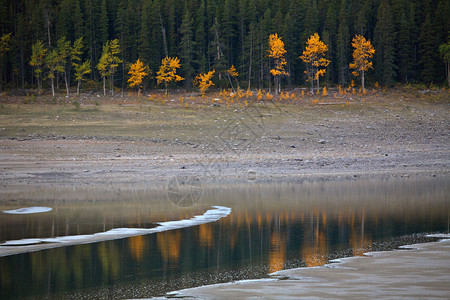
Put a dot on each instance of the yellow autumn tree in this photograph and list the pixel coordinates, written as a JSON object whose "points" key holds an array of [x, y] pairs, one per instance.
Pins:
{"points": [[204, 82], [234, 74], [314, 57], [277, 52], [137, 73], [361, 54], [168, 71]]}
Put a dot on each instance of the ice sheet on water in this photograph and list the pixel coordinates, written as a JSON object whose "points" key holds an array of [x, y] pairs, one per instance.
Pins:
{"points": [[28, 210], [209, 216]]}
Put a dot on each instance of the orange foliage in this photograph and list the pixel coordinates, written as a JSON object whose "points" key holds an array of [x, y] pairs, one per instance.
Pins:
{"points": [[277, 52], [137, 73], [204, 81]]}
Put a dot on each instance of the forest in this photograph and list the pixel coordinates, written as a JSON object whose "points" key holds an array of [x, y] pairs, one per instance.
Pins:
{"points": [[410, 38]]}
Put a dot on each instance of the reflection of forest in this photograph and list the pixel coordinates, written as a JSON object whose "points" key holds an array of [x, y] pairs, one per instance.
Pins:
{"points": [[267, 225]]}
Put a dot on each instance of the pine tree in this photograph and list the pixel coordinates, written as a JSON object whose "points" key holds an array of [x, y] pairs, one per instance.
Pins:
{"points": [[201, 37], [103, 23], [405, 54], [343, 38], [444, 51], [384, 43], [64, 22], [5, 44], [428, 51], [187, 47], [311, 20]]}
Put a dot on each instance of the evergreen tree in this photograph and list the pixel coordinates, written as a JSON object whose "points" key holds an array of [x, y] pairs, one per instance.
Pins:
{"points": [[384, 44], [187, 47], [201, 37], [343, 39], [428, 51], [103, 23], [311, 19], [405, 53]]}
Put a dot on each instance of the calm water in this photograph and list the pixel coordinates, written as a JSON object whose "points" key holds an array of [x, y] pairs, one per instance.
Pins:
{"points": [[272, 226]]}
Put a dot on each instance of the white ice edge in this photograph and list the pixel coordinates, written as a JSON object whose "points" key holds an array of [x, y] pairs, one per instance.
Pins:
{"points": [[209, 216], [28, 210], [244, 281]]}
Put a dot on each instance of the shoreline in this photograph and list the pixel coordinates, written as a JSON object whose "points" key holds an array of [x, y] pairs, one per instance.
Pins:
{"points": [[412, 271]]}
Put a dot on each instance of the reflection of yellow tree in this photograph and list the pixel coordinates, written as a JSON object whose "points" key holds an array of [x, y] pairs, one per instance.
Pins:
{"points": [[314, 250], [315, 253], [109, 258], [169, 245], [137, 246], [277, 253], [205, 235], [359, 241]]}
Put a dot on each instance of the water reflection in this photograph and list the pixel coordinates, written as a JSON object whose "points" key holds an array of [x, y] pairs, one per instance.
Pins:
{"points": [[272, 226]]}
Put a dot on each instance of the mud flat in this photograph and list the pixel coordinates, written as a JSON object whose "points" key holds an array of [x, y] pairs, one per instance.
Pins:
{"points": [[420, 271]]}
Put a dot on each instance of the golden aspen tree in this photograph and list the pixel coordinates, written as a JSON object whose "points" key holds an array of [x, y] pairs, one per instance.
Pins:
{"points": [[204, 82], [108, 63], [80, 71], [37, 61], [234, 74], [102, 67], [53, 64], [277, 52], [314, 57], [168, 71], [361, 54], [113, 61], [137, 73]]}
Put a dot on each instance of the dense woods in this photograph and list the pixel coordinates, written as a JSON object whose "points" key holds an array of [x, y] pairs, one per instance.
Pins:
{"points": [[211, 35]]}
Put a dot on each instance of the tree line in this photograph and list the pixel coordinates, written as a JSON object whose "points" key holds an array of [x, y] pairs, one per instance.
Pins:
{"points": [[411, 39]]}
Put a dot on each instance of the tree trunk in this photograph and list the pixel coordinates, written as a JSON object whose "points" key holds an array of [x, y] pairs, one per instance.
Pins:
{"points": [[53, 87], [163, 31], [67, 84], [362, 80], [448, 73], [318, 85], [250, 62], [104, 86], [78, 86]]}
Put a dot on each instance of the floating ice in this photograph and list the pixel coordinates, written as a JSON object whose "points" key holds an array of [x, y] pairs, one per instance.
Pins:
{"points": [[28, 210], [209, 216]]}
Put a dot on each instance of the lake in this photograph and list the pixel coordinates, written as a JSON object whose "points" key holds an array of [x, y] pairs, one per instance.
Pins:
{"points": [[271, 226]]}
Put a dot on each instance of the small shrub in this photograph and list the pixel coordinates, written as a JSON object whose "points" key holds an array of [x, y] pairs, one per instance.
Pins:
{"points": [[76, 104]]}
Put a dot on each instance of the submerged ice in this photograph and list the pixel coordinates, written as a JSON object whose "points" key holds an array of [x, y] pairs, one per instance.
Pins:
{"points": [[28, 210], [209, 216]]}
